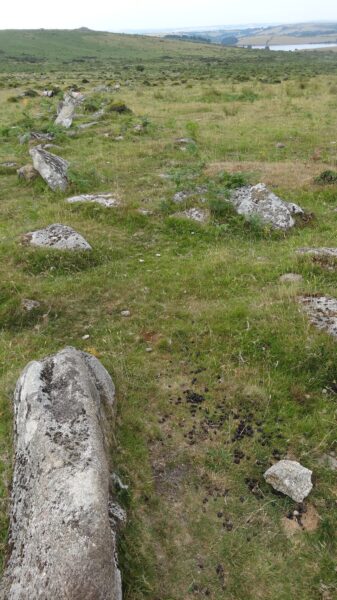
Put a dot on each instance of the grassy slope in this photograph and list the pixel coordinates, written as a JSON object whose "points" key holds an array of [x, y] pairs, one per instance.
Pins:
{"points": [[211, 307]]}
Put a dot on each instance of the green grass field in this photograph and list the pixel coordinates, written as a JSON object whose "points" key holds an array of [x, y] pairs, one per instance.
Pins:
{"points": [[217, 370]]}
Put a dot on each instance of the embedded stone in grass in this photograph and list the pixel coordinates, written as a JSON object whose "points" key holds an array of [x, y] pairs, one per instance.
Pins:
{"points": [[325, 252], [27, 173], [64, 407], [290, 478], [30, 305], [104, 199], [52, 168], [259, 201], [66, 109], [87, 125], [291, 278], [57, 236], [322, 311], [194, 214], [184, 141]]}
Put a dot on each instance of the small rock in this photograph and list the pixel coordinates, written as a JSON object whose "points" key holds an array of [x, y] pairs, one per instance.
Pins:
{"points": [[291, 278], [66, 109], [145, 211], [180, 197], [322, 311], [195, 214], [259, 201], [52, 168], [328, 252], [85, 337], [104, 199], [29, 305], [87, 125], [59, 237], [9, 165], [184, 141], [125, 313], [27, 173], [280, 145], [290, 478]]}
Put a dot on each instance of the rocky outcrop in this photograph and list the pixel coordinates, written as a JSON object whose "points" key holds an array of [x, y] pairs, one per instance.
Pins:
{"points": [[66, 109], [104, 199], [63, 522], [290, 478], [259, 201], [52, 168], [57, 236]]}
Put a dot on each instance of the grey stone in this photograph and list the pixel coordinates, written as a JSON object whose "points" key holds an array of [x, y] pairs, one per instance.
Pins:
{"points": [[280, 145], [325, 252], [48, 93], [182, 196], [30, 305], [322, 311], [9, 164], [291, 278], [194, 214], [56, 236], [87, 125], [36, 135], [66, 109], [259, 201], [63, 519], [27, 173], [184, 141], [290, 478], [104, 199], [52, 168]]}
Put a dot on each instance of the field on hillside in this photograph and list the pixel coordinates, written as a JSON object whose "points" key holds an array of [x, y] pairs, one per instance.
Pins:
{"points": [[218, 371]]}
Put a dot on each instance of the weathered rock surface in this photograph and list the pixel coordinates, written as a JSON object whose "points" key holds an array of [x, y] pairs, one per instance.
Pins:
{"points": [[291, 278], [27, 173], [63, 521], [290, 478], [325, 252], [66, 109], [329, 461], [258, 200], [36, 135], [60, 237], [322, 311], [87, 125], [104, 199], [194, 214], [30, 305], [52, 168]]}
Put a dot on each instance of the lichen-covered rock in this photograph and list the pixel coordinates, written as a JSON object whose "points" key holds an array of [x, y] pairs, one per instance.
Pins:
{"points": [[194, 214], [60, 237], [259, 201], [30, 305], [66, 109], [324, 252], [62, 540], [290, 478], [322, 311], [52, 168], [104, 199]]}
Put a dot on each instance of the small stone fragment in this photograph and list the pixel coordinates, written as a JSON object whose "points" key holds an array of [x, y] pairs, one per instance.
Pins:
{"points": [[57, 236], [104, 199], [291, 278], [290, 478], [194, 214], [29, 305]]}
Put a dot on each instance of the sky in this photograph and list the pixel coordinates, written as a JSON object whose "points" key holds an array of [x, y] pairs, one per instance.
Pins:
{"points": [[126, 15]]}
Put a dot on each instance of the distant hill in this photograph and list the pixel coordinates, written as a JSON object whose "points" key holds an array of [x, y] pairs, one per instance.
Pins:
{"points": [[305, 33]]}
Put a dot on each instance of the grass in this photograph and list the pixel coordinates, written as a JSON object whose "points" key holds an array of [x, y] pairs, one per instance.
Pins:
{"points": [[228, 341]]}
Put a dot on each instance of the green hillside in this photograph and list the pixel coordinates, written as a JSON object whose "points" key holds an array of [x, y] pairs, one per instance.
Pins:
{"points": [[218, 371]]}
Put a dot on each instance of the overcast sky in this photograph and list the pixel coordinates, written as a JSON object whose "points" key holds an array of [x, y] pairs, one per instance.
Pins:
{"points": [[117, 15]]}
